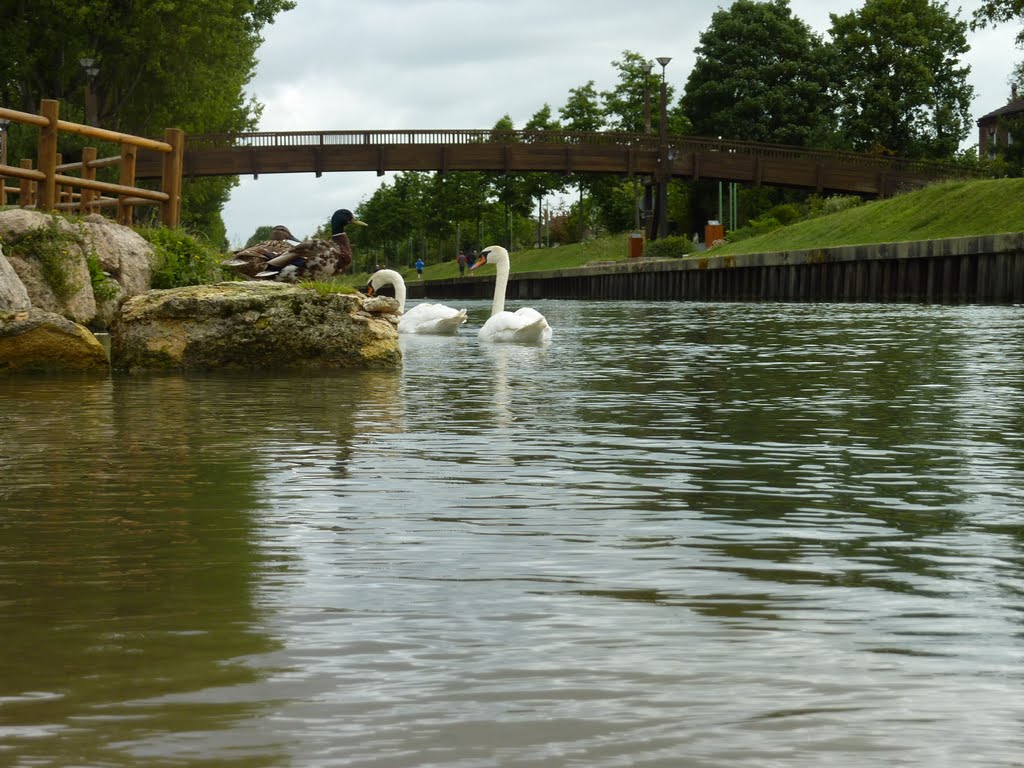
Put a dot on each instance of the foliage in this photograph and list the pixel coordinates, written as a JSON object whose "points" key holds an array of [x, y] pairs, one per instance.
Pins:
{"points": [[998, 12], [103, 287], [261, 235], [181, 258], [167, 63], [1011, 155], [56, 251], [761, 75], [903, 89], [669, 247]]}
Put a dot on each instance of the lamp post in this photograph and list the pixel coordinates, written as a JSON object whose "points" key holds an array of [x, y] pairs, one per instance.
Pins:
{"points": [[3, 159], [91, 70], [661, 206]]}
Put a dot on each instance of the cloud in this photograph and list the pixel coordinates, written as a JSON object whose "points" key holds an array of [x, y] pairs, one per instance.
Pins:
{"points": [[417, 64]]}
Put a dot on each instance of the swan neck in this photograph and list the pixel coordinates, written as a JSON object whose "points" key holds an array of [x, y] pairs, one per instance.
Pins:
{"points": [[400, 293], [500, 285]]}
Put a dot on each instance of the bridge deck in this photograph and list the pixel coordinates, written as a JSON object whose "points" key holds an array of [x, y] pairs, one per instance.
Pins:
{"points": [[553, 151]]}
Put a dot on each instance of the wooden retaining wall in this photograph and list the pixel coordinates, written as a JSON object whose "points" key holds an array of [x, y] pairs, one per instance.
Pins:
{"points": [[966, 270]]}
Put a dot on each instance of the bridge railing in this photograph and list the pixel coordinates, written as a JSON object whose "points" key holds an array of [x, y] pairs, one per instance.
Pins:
{"points": [[677, 145]]}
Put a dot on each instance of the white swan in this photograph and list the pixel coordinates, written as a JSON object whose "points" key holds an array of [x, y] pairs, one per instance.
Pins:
{"points": [[526, 325], [423, 318]]}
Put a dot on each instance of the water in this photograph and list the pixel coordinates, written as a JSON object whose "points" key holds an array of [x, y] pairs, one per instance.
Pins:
{"points": [[681, 535]]}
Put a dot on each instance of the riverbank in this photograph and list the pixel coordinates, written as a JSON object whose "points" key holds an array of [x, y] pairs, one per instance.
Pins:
{"points": [[961, 270], [948, 210]]}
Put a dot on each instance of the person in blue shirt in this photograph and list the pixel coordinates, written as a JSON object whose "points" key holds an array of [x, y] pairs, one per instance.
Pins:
{"points": [[419, 268]]}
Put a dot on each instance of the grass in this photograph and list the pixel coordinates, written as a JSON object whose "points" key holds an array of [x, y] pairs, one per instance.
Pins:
{"points": [[949, 209]]}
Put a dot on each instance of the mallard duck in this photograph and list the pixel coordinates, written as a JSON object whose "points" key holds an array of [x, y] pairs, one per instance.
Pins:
{"points": [[422, 318], [253, 260], [315, 259]]}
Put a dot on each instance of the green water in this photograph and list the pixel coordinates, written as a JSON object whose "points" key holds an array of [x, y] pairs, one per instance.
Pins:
{"points": [[682, 534]]}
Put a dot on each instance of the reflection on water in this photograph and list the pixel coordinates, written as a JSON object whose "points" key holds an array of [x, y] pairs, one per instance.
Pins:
{"points": [[681, 534]]}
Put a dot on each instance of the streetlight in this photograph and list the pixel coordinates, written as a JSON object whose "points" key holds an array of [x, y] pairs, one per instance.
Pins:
{"points": [[3, 158], [91, 70], [647, 66], [661, 206]]}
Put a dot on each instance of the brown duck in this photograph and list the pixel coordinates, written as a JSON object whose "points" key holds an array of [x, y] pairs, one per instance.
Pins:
{"points": [[315, 259], [252, 260]]}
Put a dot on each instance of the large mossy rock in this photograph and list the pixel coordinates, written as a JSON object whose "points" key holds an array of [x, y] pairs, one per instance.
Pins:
{"points": [[36, 341], [251, 325]]}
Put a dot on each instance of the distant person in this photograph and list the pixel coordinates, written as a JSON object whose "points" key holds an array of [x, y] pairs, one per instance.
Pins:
{"points": [[419, 268], [461, 260]]}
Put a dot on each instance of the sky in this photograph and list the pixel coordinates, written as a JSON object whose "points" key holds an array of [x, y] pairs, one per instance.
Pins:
{"points": [[460, 64]]}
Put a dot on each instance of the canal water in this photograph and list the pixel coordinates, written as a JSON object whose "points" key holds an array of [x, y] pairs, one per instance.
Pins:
{"points": [[681, 535]]}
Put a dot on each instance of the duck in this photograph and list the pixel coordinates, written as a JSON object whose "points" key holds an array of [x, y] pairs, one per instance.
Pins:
{"points": [[525, 325], [422, 318], [252, 260], [315, 259]]}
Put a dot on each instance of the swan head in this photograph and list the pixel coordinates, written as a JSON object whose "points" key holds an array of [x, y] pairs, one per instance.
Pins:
{"points": [[382, 278], [492, 254]]}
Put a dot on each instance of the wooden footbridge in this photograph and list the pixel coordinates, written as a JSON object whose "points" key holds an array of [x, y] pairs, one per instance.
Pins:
{"points": [[625, 154]]}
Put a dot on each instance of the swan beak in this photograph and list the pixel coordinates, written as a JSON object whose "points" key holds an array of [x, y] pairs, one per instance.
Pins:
{"points": [[369, 290], [479, 262]]}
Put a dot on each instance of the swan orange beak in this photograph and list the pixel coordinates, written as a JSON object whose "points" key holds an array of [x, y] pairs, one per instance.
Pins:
{"points": [[479, 262], [369, 290]]}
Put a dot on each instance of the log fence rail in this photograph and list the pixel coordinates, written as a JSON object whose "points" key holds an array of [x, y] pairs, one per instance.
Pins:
{"points": [[48, 187]]}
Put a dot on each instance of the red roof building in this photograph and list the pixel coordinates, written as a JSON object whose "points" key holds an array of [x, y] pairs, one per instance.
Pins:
{"points": [[992, 130]]}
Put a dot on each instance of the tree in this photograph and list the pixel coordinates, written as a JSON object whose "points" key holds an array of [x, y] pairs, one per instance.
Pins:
{"points": [[903, 89], [761, 75], [166, 63], [998, 12]]}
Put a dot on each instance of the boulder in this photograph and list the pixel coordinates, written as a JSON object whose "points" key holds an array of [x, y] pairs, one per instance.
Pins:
{"points": [[123, 253], [35, 341], [251, 325], [13, 296], [74, 299]]}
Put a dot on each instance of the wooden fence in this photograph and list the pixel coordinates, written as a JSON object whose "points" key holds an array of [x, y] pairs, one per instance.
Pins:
{"points": [[48, 187]]}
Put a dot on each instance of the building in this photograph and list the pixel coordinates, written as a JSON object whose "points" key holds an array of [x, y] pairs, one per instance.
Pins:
{"points": [[992, 130]]}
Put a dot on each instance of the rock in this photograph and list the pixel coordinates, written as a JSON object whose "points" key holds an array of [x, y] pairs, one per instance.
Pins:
{"points": [[74, 298], [35, 341], [123, 253], [249, 325], [13, 296]]}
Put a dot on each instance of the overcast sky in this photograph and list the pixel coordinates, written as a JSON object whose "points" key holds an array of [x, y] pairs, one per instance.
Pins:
{"points": [[421, 64]]}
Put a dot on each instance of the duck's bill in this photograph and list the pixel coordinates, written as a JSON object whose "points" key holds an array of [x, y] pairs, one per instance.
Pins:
{"points": [[359, 222]]}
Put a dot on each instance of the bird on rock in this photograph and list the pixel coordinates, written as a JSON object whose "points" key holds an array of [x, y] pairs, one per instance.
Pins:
{"points": [[253, 259], [315, 259]]}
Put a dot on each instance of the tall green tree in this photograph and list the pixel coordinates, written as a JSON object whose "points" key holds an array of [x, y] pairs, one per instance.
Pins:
{"points": [[165, 63], [761, 75], [625, 105], [903, 89], [998, 12]]}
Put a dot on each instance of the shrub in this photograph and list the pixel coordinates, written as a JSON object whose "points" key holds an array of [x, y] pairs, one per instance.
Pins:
{"points": [[51, 247], [674, 247], [181, 258]]}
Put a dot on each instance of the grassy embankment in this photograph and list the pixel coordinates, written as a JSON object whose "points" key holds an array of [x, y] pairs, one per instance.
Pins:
{"points": [[949, 209]]}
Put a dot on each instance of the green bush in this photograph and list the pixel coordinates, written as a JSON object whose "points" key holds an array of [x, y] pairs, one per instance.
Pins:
{"points": [[51, 247], [181, 258], [669, 248]]}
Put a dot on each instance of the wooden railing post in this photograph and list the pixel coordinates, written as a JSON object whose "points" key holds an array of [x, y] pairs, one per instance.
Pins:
{"points": [[124, 209], [50, 109], [170, 182], [88, 173], [27, 188]]}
